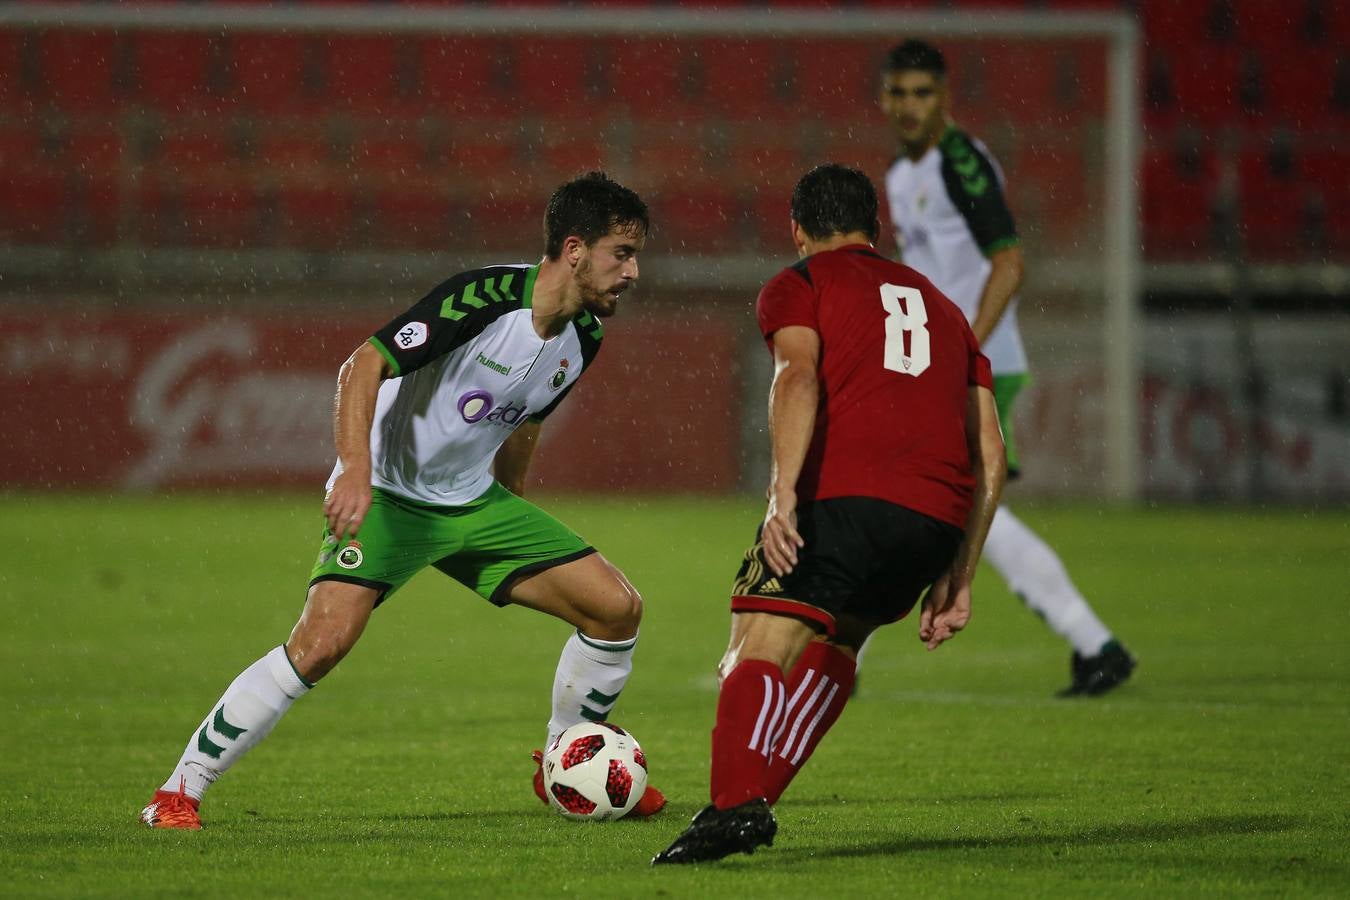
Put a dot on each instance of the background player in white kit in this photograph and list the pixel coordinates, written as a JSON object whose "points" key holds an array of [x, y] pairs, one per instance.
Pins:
{"points": [[952, 224], [436, 419]]}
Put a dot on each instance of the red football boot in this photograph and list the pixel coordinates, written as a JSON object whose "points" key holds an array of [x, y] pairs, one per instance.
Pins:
{"points": [[172, 809], [538, 757]]}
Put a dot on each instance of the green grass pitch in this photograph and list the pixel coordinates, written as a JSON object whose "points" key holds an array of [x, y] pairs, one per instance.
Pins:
{"points": [[1222, 769]]}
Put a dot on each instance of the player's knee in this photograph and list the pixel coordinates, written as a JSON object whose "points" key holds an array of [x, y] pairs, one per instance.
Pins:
{"points": [[314, 655], [620, 616]]}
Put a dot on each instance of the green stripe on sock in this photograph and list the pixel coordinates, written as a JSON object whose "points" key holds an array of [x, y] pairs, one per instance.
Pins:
{"points": [[608, 647], [207, 746], [225, 729], [602, 699]]}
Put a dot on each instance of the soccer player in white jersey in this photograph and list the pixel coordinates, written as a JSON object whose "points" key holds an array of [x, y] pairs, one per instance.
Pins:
{"points": [[952, 224], [436, 419]]}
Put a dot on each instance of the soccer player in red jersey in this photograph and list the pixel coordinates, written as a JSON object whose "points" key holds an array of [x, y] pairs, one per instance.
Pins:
{"points": [[888, 463]]}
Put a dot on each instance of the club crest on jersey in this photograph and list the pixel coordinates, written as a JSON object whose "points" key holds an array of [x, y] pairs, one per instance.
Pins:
{"points": [[351, 556], [559, 377], [414, 334]]}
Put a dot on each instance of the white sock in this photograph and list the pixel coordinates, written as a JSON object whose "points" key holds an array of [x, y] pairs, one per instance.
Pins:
{"points": [[591, 674], [245, 713], [1035, 574]]}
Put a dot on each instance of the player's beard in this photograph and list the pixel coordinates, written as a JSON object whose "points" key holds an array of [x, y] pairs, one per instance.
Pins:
{"points": [[598, 302]]}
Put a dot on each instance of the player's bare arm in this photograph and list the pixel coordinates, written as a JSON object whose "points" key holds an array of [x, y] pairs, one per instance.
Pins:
{"points": [[1005, 277], [512, 462], [946, 608], [358, 385], [793, 399]]}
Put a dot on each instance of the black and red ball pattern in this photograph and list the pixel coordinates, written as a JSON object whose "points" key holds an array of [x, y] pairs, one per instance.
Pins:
{"points": [[581, 750], [572, 800], [640, 758], [619, 784], [612, 727]]}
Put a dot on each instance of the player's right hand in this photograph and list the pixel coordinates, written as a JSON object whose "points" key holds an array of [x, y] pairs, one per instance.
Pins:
{"points": [[347, 503], [779, 535]]}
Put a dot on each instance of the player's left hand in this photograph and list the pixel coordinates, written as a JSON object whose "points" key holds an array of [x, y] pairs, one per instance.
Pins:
{"points": [[779, 535], [946, 610]]}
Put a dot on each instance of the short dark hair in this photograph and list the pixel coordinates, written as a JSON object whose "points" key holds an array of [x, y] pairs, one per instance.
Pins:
{"points": [[915, 54], [591, 207], [834, 199]]}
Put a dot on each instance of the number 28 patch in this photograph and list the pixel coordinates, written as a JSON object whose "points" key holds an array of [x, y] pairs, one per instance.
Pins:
{"points": [[414, 334]]}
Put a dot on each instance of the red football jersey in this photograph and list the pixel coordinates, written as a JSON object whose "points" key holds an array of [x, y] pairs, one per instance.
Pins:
{"points": [[897, 359]]}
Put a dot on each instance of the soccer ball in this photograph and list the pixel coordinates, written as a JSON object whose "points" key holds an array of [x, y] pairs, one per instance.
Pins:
{"points": [[595, 771]]}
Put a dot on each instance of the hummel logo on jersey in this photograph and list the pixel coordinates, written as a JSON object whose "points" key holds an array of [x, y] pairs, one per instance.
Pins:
{"points": [[771, 587], [414, 334], [494, 365]]}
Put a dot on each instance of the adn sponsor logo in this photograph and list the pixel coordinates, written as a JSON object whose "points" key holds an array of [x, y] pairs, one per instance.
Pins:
{"points": [[477, 406]]}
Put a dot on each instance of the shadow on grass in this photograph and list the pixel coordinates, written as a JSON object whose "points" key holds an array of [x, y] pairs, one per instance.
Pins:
{"points": [[791, 803], [1123, 833]]}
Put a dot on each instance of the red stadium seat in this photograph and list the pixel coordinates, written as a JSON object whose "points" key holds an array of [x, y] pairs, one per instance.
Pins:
{"points": [[1325, 178], [752, 79], [218, 215], [416, 218], [316, 218], [863, 146], [681, 156], [1177, 208], [771, 167], [708, 222], [33, 205], [463, 75], [563, 158], [1270, 27], [268, 70], [645, 77], [507, 223], [838, 80], [95, 211], [171, 71], [21, 147], [1173, 25], [363, 72], [95, 151], [1301, 95], [14, 94], [398, 154], [768, 215], [551, 74], [291, 152], [1272, 209], [474, 153], [78, 70], [187, 153], [1206, 82]]}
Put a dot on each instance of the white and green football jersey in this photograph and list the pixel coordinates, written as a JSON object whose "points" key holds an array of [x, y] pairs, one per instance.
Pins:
{"points": [[469, 368], [949, 216]]}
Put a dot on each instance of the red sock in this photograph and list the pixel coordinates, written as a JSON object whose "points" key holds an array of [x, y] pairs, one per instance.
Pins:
{"points": [[749, 718], [817, 689]]}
